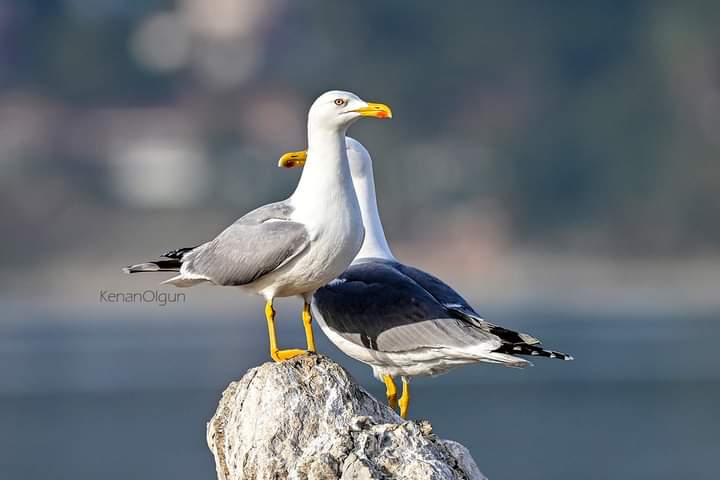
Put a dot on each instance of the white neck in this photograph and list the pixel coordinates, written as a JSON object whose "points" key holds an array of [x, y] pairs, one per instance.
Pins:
{"points": [[374, 244], [326, 174]]}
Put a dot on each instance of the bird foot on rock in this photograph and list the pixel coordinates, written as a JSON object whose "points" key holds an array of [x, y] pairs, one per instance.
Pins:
{"points": [[282, 355]]}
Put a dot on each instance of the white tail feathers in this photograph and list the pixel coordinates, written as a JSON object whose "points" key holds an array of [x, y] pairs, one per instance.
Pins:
{"points": [[158, 266], [184, 281]]}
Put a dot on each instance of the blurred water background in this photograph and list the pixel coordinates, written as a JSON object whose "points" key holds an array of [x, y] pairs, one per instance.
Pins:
{"points": [[555, 161]]}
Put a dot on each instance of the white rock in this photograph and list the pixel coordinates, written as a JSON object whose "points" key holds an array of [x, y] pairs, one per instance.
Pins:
{"points": [[306, 418]]}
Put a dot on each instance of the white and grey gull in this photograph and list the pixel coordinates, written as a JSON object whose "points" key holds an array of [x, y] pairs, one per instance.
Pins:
{"points": [[399, 319], [295, 246]]}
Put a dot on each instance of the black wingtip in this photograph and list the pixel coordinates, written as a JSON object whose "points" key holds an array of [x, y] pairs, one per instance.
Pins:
{"points": [[532, 351], [177, 254]]}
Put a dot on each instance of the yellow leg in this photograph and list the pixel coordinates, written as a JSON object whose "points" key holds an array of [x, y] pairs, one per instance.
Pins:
{"points": [[405, 398], [277, 355], [390, 391], [307, 322]]}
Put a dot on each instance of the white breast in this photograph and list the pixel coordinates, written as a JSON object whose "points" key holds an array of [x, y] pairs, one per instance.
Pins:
{"points": [[336, 235], [325, 203]]}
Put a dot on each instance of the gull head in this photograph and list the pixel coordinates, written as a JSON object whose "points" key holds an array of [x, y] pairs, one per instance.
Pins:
{"points": [[337, 110], [358, 158]]}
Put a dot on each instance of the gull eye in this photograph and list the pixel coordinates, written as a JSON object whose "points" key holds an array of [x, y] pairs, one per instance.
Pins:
{"points": [[339, 102]]}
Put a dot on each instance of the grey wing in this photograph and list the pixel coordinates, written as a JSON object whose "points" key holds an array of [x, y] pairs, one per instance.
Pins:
{"points": [[374, 305], [443, 292], [272, 211], [253, 246], [452, 300]]}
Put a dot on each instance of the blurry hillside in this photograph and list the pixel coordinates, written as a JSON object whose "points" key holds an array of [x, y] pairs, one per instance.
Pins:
{"points": [[524, 136]]}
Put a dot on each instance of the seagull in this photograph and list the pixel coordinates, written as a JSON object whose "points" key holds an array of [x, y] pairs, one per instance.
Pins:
{"points": [[295, 246], [399, 319]]}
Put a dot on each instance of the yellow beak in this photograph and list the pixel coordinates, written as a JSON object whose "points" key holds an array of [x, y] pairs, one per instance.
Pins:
{"points": [[293, 159], [377, 110]]}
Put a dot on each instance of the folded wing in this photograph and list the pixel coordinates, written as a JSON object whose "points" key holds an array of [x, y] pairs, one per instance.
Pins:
{"points": [[257, 244], [375, 305]]}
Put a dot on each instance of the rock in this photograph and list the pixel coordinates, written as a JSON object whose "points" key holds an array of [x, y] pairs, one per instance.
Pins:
{"points": [[306, 418]]}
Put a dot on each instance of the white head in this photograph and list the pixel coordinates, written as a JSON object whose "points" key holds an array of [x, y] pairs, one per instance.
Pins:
{"points": [[375, 243], [337, 110]]}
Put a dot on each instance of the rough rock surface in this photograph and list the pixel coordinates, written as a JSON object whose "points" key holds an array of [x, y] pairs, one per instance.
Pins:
{"points": [[306, 418]]}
